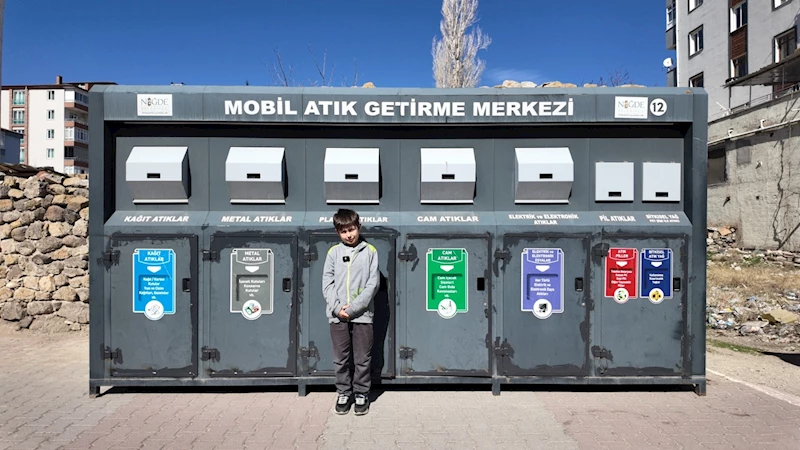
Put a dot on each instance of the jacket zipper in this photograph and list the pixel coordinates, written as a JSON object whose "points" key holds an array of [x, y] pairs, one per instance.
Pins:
{"points": [[348, 278]]}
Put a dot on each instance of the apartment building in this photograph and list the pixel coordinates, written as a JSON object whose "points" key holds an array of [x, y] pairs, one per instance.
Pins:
{"points": [[54, 120], [718, 42]]}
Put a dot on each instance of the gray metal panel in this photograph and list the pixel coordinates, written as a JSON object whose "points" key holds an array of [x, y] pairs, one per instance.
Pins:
{"points": [[352, 175], [294, 177], [265, 346], [530, 348], [613, 181], [447, 175], [314, 174], [641, 338], [153, 348], [457, 346], [256, 174], [543, 175], [661, 182], [158, 174], [198, 172]]}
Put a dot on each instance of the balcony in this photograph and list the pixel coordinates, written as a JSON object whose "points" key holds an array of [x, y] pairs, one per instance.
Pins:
{"points": [[76, 137], [671, 40], [76, 100]]}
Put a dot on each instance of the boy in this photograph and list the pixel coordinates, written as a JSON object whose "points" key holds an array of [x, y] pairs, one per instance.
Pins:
{"points": [[349, 284]]}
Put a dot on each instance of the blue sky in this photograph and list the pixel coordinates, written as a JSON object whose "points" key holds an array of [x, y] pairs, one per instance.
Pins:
{"points": [[202, 42]]}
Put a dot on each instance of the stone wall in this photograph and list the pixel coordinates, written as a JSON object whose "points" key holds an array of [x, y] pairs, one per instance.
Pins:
{"points": [[44, 279]]}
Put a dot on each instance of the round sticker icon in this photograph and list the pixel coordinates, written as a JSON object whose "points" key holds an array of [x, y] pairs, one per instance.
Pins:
{"points": [[621, 295], [542, 308], [447, 309], [658, 107], [656, 295], [251, 310], [154, 310]]}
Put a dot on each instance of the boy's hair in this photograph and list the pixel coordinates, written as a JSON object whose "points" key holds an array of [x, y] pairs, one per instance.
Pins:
{"points": [[344, 218]]}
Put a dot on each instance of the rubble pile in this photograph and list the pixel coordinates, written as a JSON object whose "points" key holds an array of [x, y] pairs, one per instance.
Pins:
{"points": [[722, 247], [44, 253]]}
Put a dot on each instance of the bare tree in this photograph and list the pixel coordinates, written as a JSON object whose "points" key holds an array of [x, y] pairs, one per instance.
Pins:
{"points": [[283, 73], [455, 55], [617, 77]]}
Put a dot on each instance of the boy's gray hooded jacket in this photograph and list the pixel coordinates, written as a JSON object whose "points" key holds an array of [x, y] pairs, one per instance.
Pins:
{"points": [[351, 277]]}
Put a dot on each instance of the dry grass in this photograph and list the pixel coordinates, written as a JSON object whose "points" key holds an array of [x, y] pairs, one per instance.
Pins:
{"points": [[754, 280]]}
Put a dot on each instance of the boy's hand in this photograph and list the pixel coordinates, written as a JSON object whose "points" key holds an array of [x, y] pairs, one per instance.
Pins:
{"points": [[343, 314]]}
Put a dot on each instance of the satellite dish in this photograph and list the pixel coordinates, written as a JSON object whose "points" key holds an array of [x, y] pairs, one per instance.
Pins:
{"points": [[667, 63]]}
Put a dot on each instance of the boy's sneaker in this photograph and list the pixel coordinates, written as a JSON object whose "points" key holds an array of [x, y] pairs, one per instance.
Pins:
{"points": [[343, 403], [362, 404]]}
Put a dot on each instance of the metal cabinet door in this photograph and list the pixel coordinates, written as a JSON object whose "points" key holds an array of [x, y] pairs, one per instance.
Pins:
{"points": [[317, 352], [545, 312], [153, 306], [252, 314], [639, 336], [447, 306]]}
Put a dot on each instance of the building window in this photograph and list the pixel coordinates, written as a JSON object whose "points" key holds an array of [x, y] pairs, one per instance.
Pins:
{"points": [[51, 134], [785, 44], [19, 98], [694, 4], [738, 16], [696, 40], [671, 15], [739, 67], [51, 153], [22, 156], [51, 114], [779, 3], [18, 117], [696, 81], [717, 173], [18, 130], [51, 95], [69, 152]]}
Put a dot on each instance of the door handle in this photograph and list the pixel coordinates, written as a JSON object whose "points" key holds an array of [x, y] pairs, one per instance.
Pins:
{"points": [[186, 284], [287, 285], [579, 284]]}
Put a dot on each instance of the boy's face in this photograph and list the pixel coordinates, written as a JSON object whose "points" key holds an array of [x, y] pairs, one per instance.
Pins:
{"points": [[349, 234]]}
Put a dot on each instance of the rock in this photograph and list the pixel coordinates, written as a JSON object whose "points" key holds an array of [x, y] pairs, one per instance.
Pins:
{"points": [[780, 316], [72, 272], [11, 216], [76, 262], [14, 272], [54, 213], [80, 228], [83, 250], [4, 191], [632, 86], [31, 282], [35, 231], [368, 84], [510, 84], [6, 293], [19, 234], [755, 327], [528, 84], [56, 189], [5, 231], [25, 322], [24, 293], [76, 182], [66, 294], [77, 203], [25, 248], [34, 188], [79, 192], [40, 259], [50, 324], [589, 85], [6, 205], [61, 254], [28, 217], [39, 308], [16, 194], [74, 241], [71, 216], [50, 178], [12, 311], [79, 282], [8, 246], [83, 294], [60, 280], [48, 244], [47, 284], [85, 213], [59, 229], [74, 312]]}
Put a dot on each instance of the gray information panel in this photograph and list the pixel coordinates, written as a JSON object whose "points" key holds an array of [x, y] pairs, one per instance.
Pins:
{"points": [[252, 284]]}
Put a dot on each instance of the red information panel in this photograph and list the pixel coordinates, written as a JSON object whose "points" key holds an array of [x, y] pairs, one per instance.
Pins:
{"points": [[621, 273]]}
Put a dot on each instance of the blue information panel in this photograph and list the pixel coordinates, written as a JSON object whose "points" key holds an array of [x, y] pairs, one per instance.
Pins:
{"points": [[656, 274], [154, 282], [543, 281]]}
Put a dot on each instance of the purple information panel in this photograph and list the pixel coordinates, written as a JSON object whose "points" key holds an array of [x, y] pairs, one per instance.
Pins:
{"points": [[543, 281]]}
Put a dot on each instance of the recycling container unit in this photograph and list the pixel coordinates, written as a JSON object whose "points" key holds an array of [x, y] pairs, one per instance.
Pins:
{"points": [[524, 236]]}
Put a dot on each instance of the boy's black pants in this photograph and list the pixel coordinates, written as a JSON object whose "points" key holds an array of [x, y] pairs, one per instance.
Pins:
{"points": [[356, 339]]}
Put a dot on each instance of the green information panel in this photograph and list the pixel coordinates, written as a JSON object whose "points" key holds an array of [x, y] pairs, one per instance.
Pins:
{"points": [[447, 281]]}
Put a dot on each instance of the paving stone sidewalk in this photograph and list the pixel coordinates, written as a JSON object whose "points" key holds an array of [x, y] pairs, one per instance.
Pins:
{"points": [[44, 404]]}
